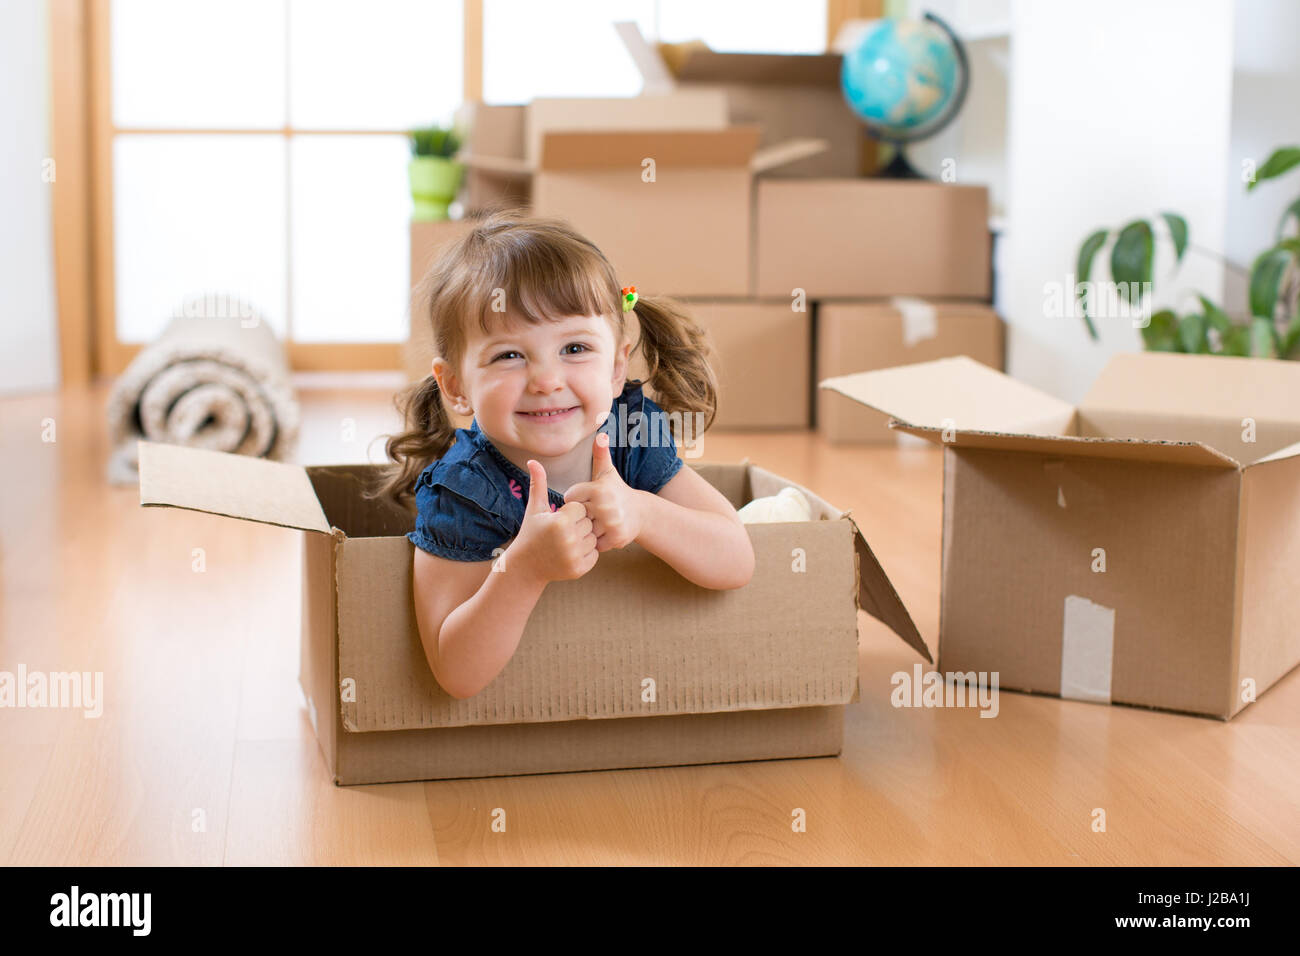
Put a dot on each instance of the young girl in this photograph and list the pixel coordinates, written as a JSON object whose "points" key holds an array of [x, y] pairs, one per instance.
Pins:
{"points": [[530, 337]]}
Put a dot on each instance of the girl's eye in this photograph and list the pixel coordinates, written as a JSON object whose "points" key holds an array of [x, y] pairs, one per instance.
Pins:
{"points": [[570, 345]]}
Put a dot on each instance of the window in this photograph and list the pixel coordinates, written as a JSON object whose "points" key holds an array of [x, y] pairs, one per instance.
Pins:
{"points": [[254, 151], [259, 156]]}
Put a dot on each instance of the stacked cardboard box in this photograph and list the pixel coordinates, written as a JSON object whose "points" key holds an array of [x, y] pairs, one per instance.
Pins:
{"points": [[733, 183]]}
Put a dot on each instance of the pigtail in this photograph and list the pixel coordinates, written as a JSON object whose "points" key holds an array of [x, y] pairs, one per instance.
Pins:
{"points": [[428, 433], [676, 352]]}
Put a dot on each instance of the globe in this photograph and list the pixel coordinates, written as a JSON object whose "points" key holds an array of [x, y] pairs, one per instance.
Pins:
{"points": [[906, 80]]}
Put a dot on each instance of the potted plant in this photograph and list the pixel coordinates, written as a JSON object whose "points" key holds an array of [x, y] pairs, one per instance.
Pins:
{"points": [[433, 171], [1272, 327]]}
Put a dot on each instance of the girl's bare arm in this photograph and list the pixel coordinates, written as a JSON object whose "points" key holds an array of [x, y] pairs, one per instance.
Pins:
{"points": [[471, 617], [694, 528]]}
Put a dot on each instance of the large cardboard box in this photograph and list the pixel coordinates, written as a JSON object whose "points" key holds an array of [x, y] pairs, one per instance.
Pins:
{"points": [[860, 336], [872, 238], [628, 666], [789, 96], [503, 144], [672, 210], [761, 353], [427, 240], [493, 131], [1141, 548]]}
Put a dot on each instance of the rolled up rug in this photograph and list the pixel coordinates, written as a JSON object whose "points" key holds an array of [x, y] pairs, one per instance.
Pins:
{"points": [[217, 383]]}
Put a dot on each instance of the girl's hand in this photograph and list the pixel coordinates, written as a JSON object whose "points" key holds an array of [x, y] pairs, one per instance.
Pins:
{"points": [[614, 508], [552, 545]]}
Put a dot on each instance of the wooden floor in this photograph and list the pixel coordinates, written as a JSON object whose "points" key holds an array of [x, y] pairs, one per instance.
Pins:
{"points": [[204, 754]]}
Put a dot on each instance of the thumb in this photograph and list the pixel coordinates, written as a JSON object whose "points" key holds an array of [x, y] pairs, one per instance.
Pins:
{"points": [[601, 461], [538, 499]]}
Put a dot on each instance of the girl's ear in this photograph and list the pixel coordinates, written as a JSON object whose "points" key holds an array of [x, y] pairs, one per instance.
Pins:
{"points": [[448, 383], [620, 366]]}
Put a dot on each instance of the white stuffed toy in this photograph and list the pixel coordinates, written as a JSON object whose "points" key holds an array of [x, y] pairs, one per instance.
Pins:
{"points": [[788, 505]]}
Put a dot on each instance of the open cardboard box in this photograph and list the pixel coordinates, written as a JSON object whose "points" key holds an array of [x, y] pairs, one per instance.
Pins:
{"points": [[629, 666], [1142, 548], [503, 144], [662, 183], [680, 226], [789, 95]]}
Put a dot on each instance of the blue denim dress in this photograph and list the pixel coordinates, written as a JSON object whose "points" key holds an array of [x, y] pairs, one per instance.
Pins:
{"points": [[472, 499]]}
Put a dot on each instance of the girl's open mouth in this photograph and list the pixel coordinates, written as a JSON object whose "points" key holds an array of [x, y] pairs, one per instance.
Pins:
{"points": [[552, 417]]}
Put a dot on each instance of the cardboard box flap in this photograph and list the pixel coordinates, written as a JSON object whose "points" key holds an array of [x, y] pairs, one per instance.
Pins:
{"points": [[877, 596], [784, 153], [237, 486], [1290, 451], [702, 65], [956, 393], [1126, 449], [693, 62], [1210, 387], [733, 146], [502, 165], [675, 110]]}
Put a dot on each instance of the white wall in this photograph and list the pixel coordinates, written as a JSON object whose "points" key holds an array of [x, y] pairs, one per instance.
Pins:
{"points": [[1118, 109], [28, 327], [1265, 115], [977, 137]]}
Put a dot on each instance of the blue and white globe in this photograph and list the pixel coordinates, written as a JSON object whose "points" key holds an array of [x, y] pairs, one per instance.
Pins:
{"points": [[904, 78]]}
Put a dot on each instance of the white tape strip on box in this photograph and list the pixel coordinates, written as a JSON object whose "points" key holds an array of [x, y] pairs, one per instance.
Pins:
{"points": [[919, 321], [1087, 650]]}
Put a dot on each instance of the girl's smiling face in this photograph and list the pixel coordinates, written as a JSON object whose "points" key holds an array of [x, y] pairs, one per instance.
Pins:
{"points": [[570, 365]]}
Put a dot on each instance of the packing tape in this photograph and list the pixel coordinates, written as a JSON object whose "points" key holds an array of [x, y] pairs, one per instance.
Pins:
{"points": [[919, 321], [1087, 650]]}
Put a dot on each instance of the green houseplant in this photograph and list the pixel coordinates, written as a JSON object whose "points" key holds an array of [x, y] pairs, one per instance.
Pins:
{"points": [[433, 171], [1272, 327]]}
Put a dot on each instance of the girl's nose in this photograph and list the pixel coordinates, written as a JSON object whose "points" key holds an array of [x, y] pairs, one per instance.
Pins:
{"points": [[543, 378]]}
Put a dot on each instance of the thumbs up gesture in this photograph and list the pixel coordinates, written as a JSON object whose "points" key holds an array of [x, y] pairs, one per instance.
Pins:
{"points": [[613, 507], [552, 545]]}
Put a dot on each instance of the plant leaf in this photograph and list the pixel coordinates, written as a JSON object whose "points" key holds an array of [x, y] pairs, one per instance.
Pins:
{"points": [[1266, 280], [1178, 229], [1161, 334], [1191, 334], [1287, 214], [1130, 260], [1215, 317], [1263, 344], [1283, 159], [1087, 252], [1290, 345], [1237, 341]]}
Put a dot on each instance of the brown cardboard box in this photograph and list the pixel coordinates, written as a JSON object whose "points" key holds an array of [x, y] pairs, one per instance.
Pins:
{"points": [[499, 132], [629, 666], [672, 210], [427, 240], [868, 238], [789, 96], [762, 357], [860, 336], [503, 144], [1141, 548]]}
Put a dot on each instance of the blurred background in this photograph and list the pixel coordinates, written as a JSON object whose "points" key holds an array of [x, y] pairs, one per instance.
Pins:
{"points": [[259, 149]]}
